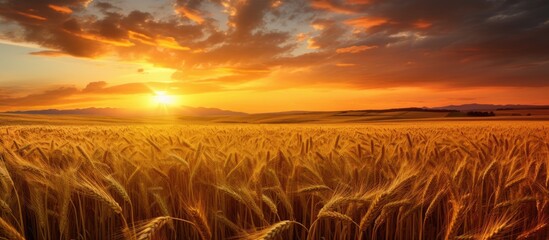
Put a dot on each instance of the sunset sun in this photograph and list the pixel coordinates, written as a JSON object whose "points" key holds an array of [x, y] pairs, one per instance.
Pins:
{"points": [[162, 98]]}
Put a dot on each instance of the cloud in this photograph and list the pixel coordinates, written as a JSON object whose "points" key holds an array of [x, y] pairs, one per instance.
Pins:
{"points": [[102, 88], [59, 96], [48, 53], [221, 45], [45, 98], [332, 6], [330, 34], [191, 14], [223, 77], [345, 64], [105, 6], [366, 22], [422, 24], [61, 9], [30, 15], [248, 16], [53, 25], [355, 49], [171, 43]]}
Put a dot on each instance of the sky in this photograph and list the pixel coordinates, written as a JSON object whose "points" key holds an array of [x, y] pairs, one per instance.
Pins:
{"points": [[272, 55]]}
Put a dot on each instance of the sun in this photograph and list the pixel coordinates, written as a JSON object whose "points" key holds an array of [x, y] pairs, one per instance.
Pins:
{"points": [[162, 98]]}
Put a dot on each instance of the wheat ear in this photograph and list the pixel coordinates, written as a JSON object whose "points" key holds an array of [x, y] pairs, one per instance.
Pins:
{"points": [[9, 231]]}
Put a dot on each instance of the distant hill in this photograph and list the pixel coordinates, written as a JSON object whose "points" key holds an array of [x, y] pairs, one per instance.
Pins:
{"points": [[451, 110], [185, 110], [214, 115], [202, 111], [411, 109], [490, 107], [362, 111], [80, 111]]}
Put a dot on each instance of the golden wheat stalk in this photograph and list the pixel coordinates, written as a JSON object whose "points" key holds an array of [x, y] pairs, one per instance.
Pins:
{"points": [[228, 223], [312, 189], [433, 204], [64, 202], [95, 191], [9, 231], [335, 215], [272, 232], [269, 202], [457, 212], [370, 215], [4, 206], [200, 222], [530, 232], [119, 189], [496, 226], [147, 229], [515, 202], [85, 155]]}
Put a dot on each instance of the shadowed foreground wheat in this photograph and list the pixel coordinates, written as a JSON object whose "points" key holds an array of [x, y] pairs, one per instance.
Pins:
{"points": [[481, 180]]}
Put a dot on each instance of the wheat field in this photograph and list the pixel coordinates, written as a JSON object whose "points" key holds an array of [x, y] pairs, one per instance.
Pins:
{"points": [[464, 180]]}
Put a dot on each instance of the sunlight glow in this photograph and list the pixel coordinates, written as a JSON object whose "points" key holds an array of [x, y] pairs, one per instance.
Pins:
{"points": [[162, 98]]}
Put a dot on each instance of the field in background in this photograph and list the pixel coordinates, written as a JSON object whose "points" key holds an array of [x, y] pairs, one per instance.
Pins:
{"points": [[329, 117], [412, 180]]}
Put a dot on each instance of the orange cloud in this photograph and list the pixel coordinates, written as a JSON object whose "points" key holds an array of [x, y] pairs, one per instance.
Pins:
{"points": [[345, 64], [245, 70], [276, 4], [300, 37], [366, 22], [45, 98], [422, 24], [93, 37], [193, 15], [102, 87], [261, 51], [329, 6], [171, 43], [355, 49], [142, 38], [165, 42], [359, 2], [49, 53], [61, 9], [312, 44], [30, 15], [318, 26]]}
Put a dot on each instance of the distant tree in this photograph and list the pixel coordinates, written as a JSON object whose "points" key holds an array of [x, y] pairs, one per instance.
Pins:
{"points": [[480, 114]]}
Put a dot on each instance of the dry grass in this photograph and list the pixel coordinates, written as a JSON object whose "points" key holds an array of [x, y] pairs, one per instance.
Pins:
{"points": [[426, 181]]}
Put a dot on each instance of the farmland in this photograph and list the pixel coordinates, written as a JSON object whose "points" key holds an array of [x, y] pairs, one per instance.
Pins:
{"points": [[419, 180]]}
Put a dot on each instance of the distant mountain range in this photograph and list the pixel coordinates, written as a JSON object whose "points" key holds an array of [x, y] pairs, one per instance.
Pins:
{"points": [[202, 111], [185, 110], [490, 107]]}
